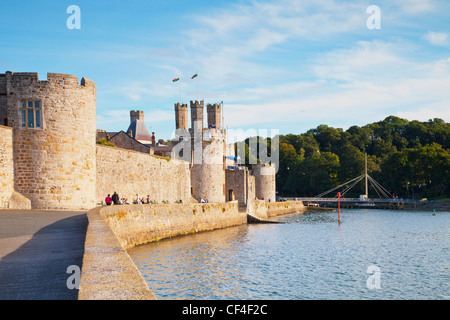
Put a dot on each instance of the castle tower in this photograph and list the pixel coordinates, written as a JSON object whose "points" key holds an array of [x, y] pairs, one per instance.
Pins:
{"points": [[136, 115], [214, 115], [54, 137], [181, 116], [208, 176], [197, 115], [265, 181], [137, 128]]}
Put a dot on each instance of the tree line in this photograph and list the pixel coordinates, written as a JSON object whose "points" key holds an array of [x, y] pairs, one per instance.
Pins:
{"points": [[411, 159]]}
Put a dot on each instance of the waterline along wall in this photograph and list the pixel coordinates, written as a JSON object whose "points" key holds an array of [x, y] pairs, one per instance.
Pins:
{"points": [[264, 210], [140, 224], [108, 273]]}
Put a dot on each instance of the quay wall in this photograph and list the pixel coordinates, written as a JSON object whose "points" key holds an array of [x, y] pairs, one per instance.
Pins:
{"points": [[279, 208], [139, 224], [108, 272], [264, 210], [6, 166], [129, 173]]}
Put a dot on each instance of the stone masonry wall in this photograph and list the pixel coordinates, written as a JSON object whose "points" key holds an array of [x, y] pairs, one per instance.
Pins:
{"points": [[6, 166], [140, 224], [264, 210], [129, 173]]}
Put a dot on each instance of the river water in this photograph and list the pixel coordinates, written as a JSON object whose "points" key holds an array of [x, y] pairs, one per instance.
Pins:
{"points": [[373, 254]]}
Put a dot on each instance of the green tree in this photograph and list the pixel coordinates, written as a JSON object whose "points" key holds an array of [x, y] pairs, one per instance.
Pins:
{"points": [[289, 161], [317, 174], [326, 136]]}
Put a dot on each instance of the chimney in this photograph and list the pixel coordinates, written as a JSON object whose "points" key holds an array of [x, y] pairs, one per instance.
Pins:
{"points": [[153, 140]]}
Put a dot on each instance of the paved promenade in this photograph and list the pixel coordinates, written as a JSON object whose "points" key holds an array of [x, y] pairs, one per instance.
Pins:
{"points": [[36, 247]]}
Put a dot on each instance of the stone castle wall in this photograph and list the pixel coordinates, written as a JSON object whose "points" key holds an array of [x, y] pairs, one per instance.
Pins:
{"points": [[241, 184], [54, 164], [6, 166], [129, 173]]}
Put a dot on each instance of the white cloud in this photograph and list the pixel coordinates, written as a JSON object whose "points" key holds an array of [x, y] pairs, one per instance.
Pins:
{"points": [[416, 6], [437, 38], [368, 81]]}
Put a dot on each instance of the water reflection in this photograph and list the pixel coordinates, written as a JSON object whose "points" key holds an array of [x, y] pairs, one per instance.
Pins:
{"points": [[309, 256]]}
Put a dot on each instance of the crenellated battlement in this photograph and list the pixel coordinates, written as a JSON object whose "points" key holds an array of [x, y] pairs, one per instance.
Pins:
{"points": [[197, 104], [136, 115], [54, 80]]}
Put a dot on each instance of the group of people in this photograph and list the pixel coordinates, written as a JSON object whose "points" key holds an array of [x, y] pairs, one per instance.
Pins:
{"points": [[142, 200], [115, 199]]}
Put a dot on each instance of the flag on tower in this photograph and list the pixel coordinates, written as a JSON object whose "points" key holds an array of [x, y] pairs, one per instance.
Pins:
{"points": [[175, 80], [194, 76]]}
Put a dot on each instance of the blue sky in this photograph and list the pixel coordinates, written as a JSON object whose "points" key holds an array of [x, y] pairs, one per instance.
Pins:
{"points": [[281, 65]]}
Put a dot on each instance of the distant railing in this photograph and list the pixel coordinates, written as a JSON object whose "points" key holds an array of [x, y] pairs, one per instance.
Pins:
{"points": [[349, 200]]}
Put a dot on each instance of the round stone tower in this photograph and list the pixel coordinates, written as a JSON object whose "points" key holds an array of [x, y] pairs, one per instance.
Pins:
{"points": [[265, 181], [208, 177], [54, 139], [208, 150]]}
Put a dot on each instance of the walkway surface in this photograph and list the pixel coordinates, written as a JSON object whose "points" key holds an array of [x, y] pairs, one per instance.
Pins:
{"points": [[36, 248]]}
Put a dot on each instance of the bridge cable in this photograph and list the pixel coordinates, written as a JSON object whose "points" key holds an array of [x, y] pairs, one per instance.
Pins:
{"points": [[380, 187], [348, 188], [326, 192]]}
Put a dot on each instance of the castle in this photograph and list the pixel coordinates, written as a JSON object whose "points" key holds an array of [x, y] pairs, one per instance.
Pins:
{"points": [[49, 158]]}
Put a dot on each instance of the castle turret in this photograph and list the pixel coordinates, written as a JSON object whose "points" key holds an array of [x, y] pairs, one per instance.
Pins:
{"points": [[136, 115], [214, 115], [137, 129], [197, 115], [265, 181], [181, 116], [208, 177], [54, 139]]}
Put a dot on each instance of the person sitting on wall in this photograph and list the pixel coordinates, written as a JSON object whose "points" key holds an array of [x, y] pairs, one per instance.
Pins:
{"points": [[115, 198], [108, 200], [203, 200]]}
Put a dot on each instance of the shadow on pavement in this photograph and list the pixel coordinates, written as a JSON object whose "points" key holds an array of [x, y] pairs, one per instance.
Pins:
{"points": [[37, 270]]}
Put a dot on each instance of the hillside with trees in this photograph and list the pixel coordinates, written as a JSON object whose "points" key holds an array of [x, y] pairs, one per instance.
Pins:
{"points": [[411, 159]]}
